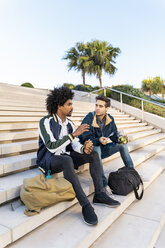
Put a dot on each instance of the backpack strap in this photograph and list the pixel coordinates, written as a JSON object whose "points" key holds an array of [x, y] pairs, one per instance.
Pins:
{"points": [[139, 197]]}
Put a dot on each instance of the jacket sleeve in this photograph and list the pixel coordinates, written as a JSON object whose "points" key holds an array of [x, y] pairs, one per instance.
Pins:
{"points": [[76, 145], [50, 142], [89, 134], [114, 134]]}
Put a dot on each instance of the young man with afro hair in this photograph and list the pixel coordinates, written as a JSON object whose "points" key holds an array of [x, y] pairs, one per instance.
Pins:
{"points": [[60, 150]]}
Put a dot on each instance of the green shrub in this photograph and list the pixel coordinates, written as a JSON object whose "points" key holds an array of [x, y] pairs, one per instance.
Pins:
{"points": [[148, 107], [70, 86], [29, 85], [95, 88], [83, 87], [154, 109], [126, 99]]}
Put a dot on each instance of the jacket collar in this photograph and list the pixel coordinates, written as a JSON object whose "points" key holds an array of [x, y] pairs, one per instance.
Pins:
{"points": [[107, 121], [58, 120], [55, 117]]}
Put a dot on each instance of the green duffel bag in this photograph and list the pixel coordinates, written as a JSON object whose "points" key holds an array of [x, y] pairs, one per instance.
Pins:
{"points": [[39, 192]]}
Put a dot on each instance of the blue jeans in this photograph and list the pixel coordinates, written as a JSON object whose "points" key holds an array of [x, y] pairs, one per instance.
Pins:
{"points": [[109, 150]]}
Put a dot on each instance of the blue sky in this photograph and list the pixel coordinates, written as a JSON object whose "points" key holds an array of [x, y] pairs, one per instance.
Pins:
{"points": [[35, 34]]}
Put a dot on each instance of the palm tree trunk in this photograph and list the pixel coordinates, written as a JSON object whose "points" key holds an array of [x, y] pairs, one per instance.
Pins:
{"points": [[100, 80], [83, 76]]}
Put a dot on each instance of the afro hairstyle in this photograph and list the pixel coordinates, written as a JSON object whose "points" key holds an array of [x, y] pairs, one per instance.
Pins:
{"points": [[57, 97]]}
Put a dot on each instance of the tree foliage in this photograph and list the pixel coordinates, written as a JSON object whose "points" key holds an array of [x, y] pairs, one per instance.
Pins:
{"points": [[77, 57], [102, 58], [153, 85], [93, 58]]}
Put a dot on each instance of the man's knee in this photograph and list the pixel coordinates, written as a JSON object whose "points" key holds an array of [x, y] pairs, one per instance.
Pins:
{"points": [[94, 155], [123, 146], [67, 161], [98, 150]]}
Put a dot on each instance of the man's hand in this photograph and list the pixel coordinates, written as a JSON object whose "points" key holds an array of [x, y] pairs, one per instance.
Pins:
{"points": [[81, 129], [88, 146], [104, 140]]}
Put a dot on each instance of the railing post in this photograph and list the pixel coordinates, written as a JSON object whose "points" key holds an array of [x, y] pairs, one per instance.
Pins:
{"points": [[142, 106], [121, 101], [105, 92]]}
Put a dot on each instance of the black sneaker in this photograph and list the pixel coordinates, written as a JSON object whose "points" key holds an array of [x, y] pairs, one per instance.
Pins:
{"points": [[104, 199], [89, 215]]}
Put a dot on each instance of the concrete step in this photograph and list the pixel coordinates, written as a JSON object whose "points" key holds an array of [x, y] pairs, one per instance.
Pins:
{"points": [[22, 113], [138, 129], [161, 239], [141, 142], [117, 121], [116, 117], [11, 184], [6, 149], [31, 125], [18, 126], [10, 88], [18, 95], [143, 134], [121, 126], [11, 136], [115, 114], [138, 157], [37, 117], [140, 224], [28, 102], [24, 145], [51, 236], [20, 162], [21, 108], [19, 119], [16, 163]]}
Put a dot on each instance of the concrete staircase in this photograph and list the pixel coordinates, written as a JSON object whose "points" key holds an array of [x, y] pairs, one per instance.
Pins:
{"points": [[20, 111]]}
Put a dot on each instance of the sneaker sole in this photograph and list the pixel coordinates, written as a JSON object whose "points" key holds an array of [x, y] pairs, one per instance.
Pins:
{"points": [[89, 223], [103, 204]]}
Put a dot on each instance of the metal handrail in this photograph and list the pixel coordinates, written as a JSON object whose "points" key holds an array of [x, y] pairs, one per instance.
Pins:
{"points": [[121, 98], [91, 92]]}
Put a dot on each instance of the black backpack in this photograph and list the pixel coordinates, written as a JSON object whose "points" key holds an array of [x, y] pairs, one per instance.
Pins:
{"points": [[125, 180]]}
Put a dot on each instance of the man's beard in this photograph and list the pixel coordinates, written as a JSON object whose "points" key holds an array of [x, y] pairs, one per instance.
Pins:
{"points": [[70, 113]]}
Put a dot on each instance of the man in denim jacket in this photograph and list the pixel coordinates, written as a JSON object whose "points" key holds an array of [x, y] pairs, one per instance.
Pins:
{"points": [[104, 134]]}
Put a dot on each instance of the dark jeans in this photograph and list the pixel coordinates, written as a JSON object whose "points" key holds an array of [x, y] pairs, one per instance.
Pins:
{"points": [[67, 164], [109, 150]]}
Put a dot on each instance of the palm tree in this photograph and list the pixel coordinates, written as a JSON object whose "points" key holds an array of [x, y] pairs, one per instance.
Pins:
{"points": [[101, 57], [153, 86], [146, 86], [77, 57]]}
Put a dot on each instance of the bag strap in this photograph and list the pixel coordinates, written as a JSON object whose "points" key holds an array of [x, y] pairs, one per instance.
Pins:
{"points": [[139, 197]]}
